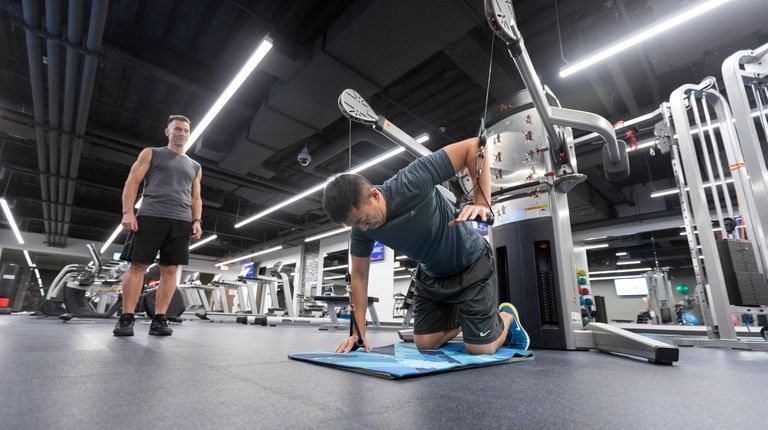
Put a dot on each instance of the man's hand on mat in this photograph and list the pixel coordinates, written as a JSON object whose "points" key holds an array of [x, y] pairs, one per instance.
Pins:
{"points": [[349, 343]]}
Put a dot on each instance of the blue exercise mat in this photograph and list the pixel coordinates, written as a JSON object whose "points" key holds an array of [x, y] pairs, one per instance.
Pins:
{"points": [[404, 360]]}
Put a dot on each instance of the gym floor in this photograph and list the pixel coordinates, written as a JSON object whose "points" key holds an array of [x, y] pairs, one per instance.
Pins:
{"points": [[76, 375]]}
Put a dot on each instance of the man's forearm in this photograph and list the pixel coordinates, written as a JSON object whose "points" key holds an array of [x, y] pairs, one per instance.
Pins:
{"points": [[197, 209], [129, 197], [358, 297]]}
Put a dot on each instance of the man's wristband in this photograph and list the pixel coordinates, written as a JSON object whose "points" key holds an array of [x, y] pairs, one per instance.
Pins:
{"points": [[197, 220]]}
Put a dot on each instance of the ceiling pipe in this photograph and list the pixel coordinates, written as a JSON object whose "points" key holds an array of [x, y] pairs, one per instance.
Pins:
{"points": [[34, 58], [53, 28], [75, 37], [96, 26]]}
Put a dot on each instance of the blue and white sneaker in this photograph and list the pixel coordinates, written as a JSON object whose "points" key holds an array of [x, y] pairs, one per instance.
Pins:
{"points": [[517, 338]]}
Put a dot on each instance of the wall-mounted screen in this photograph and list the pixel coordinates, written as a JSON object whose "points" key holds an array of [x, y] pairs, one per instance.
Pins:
{"points": [[378, 251], [246, 270], [631, 286]]}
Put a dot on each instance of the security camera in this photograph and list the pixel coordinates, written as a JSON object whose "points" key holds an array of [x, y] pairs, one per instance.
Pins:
{"points": [[304, 157]]}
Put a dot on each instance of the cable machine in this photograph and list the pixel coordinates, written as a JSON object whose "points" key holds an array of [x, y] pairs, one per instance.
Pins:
{"points": [[533, 160]]}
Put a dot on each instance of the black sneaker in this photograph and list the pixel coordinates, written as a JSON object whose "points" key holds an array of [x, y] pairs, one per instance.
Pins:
{"points": [[124, 326], [159, 326]]}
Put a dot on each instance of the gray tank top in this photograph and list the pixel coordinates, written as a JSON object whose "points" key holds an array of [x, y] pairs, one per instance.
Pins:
{"points": [[168, 185]]}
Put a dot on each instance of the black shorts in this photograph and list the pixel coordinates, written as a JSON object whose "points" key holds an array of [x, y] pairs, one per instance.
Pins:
{"points": [[169, 236], [468, 300]]}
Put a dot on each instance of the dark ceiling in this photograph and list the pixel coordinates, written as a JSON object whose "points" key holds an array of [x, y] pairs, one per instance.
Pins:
{"points": [[422, 64]]}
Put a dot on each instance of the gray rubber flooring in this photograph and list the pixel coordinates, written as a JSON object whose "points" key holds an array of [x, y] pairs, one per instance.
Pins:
{"points": [[76, 375]]}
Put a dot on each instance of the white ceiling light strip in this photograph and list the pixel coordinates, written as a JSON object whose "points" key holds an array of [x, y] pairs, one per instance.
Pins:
{"points": [[111, 239], [642, 36], [601, 272], [319, 187], [628, 262], [608, 278], [39, 279], [11, 221], [670, 191], [342, 266], [248, 68], [203, 242], [327, 234], [29, 259], [422, 138], [255, 254]]}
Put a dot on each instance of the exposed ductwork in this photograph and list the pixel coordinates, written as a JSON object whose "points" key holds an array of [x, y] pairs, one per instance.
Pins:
{"points": [[298, 103], [57, 164], [34, 58], [98, 20]]}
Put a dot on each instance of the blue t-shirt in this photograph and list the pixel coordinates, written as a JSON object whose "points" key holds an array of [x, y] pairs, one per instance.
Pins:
{"points": [[417, 220]]}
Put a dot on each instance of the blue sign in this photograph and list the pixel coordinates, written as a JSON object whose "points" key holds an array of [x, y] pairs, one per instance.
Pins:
{"points": [[378, 251], [246, 270]]}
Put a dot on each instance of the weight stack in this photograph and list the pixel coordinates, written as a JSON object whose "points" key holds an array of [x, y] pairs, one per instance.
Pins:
{"points": [[745, 285]]}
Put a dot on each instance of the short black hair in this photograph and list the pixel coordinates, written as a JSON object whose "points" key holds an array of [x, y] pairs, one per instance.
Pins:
{"points": [[343, 193], [182, 118]]}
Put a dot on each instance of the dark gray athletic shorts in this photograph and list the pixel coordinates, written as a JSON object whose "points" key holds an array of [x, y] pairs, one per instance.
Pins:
{"points": [[169, 236], [468, 299]]}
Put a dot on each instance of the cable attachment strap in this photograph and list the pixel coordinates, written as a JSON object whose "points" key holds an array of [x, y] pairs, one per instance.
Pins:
{"points": [[353, 327]]}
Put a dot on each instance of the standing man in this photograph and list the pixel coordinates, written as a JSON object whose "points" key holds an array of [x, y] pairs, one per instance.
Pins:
{"points": [[455, 284], [169, 216]]}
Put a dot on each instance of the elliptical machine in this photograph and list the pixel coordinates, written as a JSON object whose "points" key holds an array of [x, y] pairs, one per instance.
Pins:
{"points": [[85, 291]]}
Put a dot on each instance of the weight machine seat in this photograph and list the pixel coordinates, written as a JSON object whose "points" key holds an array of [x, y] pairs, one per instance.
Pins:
{"points": [[338, 301]]}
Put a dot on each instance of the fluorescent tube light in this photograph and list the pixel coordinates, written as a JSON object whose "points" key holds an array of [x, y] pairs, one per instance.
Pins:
{"points": [[377, 160], [342, 266], [258, 55], [234, 260], [596, 246], [335, 277], [29, 259], [327, 234], [608, 278], [600, 272], [319, 187], [422, 138], [646, 34], [596, 238], [39, 279], [628, 262], [666, 192], [111, 238], [621, 254], [203, 242], [670, 191], [401, 257], [11, 221]]}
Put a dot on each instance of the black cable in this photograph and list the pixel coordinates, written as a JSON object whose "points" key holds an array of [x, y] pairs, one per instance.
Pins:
{"points": [[353, 327], [488, 84]]}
